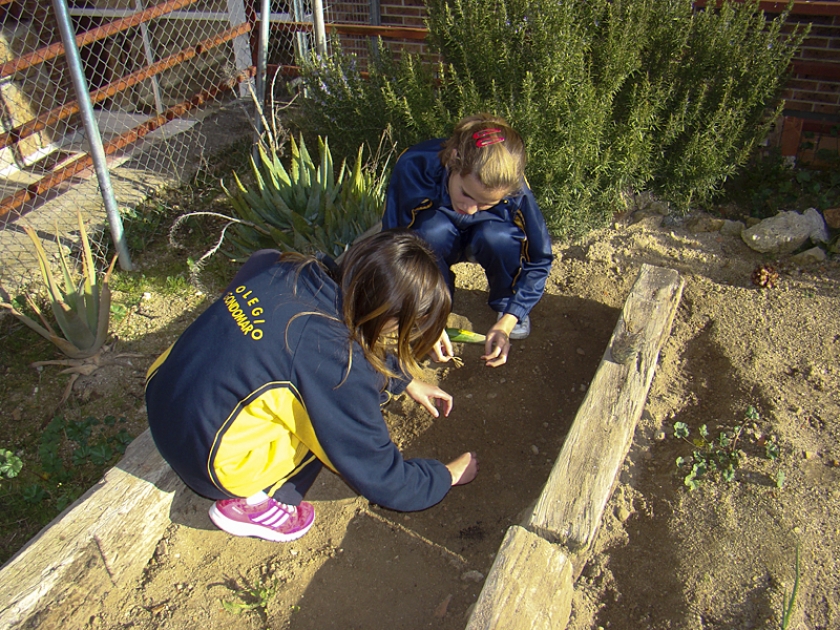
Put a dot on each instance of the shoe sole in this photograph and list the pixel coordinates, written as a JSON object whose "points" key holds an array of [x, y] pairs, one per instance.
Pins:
{"points": [[249, 530]]}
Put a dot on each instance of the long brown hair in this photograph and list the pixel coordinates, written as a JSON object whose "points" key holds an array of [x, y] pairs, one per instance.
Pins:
{"points": [[394, 275]]}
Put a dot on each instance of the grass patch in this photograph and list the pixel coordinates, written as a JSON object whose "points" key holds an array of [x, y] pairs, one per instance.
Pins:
{"points": [[55, 466]]}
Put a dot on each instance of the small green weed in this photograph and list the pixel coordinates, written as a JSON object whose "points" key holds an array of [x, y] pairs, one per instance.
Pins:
{"points": [[789, 601], [72, 455], [723, 454], [146, 223], [10, 464], [769, 184], [254, 598], [76, 441], [61, 463], [772, 452], [709, 455]]}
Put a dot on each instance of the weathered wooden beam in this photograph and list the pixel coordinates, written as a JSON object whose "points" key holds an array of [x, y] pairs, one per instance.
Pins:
{"points": [[571, 505], [529, 586], [110, 532], [531, 582]]}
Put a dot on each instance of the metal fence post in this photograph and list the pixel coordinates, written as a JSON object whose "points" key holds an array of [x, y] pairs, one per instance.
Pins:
{"points": [[97, 151], [320, 30], [262, 62], [241, 51]]}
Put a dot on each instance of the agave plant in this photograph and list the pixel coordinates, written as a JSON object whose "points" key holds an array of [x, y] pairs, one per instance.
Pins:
{"points": [[307, 208], [81, 308]]}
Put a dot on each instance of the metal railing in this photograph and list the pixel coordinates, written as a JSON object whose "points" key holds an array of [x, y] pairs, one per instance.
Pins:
{"points": [[101, 105]]}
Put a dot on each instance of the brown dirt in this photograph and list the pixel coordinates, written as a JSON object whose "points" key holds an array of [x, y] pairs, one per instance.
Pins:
{"points": [[721, 556]]}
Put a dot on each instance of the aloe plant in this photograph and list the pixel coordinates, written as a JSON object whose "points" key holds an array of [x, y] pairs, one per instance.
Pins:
{"points": [[307, 208], [81, 308]]}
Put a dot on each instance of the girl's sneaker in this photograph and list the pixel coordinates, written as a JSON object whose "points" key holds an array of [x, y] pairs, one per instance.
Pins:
{"points": [[522, 328], [269, 520]]}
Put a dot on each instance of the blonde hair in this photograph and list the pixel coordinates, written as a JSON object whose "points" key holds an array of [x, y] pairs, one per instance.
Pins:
{"points": [[488, 147]]}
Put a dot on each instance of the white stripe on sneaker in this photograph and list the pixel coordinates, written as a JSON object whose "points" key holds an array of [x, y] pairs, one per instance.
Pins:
{"points": [[277, 520], [272, 517]]}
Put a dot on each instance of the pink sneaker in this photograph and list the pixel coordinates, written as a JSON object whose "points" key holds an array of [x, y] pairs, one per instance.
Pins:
{"points": [[269, 520]]}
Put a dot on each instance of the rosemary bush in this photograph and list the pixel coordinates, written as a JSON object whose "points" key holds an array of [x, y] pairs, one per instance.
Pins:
{"points": [[611, 97]]}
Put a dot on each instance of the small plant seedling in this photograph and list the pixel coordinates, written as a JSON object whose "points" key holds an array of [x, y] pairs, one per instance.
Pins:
{"points": [[789, 601], [722, 455], [255, 598], [709, 455], [772, 452], [10, 464]]}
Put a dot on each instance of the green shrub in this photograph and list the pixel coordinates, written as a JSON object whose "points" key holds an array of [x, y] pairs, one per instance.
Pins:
{"points": [[610, 96]]}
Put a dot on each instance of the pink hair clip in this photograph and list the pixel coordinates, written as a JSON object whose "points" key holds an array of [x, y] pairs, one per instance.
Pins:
{"points": [[486, 137]]}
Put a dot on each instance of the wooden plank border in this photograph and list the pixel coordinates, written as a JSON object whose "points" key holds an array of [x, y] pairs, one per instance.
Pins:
{"points": [[535, 584]]}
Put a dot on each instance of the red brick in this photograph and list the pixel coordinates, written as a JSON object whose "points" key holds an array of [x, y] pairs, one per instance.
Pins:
{"points": [[816, 42], [816, 97], [826, 109], [791, 133], [816, 54], [798, 105], [823, 31], [797, 83]]}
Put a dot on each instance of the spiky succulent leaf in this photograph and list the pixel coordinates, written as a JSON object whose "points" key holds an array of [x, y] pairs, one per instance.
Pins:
{"points": [[306, 206], [81, 310]]}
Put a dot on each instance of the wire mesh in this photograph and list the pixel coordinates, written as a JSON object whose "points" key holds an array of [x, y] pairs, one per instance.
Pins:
{"points": [[152, 70]]}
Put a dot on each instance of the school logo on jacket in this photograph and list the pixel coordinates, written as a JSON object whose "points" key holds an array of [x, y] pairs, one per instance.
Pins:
{"points": [[242, 313]]}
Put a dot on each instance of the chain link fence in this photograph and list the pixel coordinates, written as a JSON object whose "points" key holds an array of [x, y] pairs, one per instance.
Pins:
{"points": [[152, 71]]}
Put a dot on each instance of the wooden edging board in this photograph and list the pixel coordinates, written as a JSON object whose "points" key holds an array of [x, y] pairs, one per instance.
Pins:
{"points": [[530, 584]]}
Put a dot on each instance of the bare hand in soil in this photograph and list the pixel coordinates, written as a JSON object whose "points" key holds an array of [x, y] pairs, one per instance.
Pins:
{"points": [[430, 397], [442, 352], [464, 469], [496, 347]]}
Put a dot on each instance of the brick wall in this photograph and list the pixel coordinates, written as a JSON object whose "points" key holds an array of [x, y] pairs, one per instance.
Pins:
{"points": [[404, 13], [811, 117], [815, 83]]}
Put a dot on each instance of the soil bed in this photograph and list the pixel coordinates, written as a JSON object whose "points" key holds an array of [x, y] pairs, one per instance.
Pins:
{"points": [[721, 556]]}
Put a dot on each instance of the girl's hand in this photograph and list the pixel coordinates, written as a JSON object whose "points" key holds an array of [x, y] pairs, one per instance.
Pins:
{"points": [[442, 352], [464, 469], [497, 344], [430, 396]]}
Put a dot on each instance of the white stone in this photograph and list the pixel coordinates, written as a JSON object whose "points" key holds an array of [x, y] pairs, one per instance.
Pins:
{"points": [[786, 232]]}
